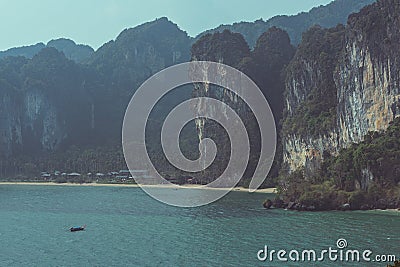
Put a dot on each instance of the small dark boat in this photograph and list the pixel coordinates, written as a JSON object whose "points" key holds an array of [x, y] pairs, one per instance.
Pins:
{"points": [[77, 228]]}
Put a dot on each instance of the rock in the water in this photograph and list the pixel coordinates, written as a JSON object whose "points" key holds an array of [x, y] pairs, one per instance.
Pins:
{"points": [[278, 203], [345, 207], [365, 207], [311, 208], [381, 204], [297, 206], [291, 205], [267, 204]]}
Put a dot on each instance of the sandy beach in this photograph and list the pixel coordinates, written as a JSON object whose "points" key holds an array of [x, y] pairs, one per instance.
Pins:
{"points": [[190, 186]]}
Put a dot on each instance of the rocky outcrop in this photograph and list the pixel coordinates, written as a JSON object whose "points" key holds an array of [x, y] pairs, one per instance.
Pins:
{"points": [[308, 153]]}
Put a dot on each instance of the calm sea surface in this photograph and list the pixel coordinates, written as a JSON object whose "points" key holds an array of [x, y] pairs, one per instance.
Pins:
{"points": [[125, 227]]}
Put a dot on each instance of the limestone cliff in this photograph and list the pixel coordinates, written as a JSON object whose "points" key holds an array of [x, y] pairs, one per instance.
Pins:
{"points": [[309, 129], [264, 65], [44, 103], [369, 73], [41, 120], [357, 82], [10, 130], [29, 121]]}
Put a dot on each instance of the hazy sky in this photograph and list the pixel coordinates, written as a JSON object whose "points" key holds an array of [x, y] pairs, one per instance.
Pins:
{"points": [[94, 22]]}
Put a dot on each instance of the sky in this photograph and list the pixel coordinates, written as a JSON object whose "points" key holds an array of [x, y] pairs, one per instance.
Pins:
{"points": [[94, 22]]}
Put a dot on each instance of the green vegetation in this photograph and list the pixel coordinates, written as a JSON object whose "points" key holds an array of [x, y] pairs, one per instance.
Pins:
{"points": [[266, 65], [365, 175], [228, 47], [102, 159], [379, 153]]}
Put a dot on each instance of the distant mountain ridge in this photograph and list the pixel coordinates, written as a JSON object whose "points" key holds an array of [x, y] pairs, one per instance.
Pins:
{"points": [[73, 51], [23, 51], [326, 16], [36, 93]]}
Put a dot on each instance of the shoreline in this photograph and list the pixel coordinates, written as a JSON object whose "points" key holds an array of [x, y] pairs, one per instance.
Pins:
{"points": [[187, 186], [386, 210]]}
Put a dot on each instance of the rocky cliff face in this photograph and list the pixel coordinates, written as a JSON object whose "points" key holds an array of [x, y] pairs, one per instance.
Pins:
{"points": [[368, 75], [264, 65], [41, 121], [308, 152], [126, 62], [309, 130], [29, 120], [363, 87], [10, 130], [228, 48], [43, 103]]}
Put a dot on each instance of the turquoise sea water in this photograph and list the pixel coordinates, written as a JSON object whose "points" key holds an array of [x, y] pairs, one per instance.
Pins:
{"points": [[125, 227]]}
